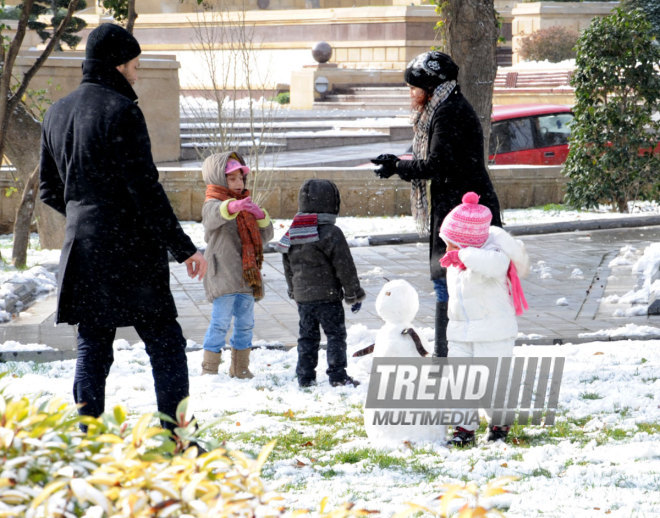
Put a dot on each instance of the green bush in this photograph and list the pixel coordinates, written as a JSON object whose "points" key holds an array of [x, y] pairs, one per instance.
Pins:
{"points": [[283, 98], [617, 91], [652, 10], [554, 44]]}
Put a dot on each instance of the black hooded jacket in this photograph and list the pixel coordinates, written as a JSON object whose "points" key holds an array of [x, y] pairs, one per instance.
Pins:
{"points": [[322, 271], [97, 170], [455, 165]]}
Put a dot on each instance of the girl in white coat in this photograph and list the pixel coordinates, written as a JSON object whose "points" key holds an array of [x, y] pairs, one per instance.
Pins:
{"points": [[483, 263]]}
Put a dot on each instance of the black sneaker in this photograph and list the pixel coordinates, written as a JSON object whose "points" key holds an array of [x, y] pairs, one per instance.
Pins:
{"points": [[497, 433], [462, 438], [306, 383], [346, 382]]}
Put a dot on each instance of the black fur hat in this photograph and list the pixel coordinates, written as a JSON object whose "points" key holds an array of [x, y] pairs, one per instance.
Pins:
{"points": [[112, 45], [430, 69]]}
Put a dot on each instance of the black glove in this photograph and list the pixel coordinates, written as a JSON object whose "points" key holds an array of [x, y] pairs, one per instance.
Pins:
{"points": [[387, 163], [356, 307], [384, 159]]}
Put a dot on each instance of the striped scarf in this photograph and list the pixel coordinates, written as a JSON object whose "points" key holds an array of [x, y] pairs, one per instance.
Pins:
{"points": [[421, 120], [304, 229], [248, 231]]}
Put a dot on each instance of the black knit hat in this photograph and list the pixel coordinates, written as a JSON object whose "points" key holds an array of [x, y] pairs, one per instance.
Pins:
{"points": [[112, 45], [430, 69], [319, 195]]}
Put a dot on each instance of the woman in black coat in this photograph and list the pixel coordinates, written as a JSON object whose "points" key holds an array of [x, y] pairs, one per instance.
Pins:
{"points": [[97, 170], [448, 151]]}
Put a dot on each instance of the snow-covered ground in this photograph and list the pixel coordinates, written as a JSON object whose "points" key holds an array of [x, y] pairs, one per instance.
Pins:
{"points": [[602, 456]]}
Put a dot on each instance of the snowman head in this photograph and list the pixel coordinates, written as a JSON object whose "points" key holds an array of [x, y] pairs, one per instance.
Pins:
{"points": [[397, 303]]}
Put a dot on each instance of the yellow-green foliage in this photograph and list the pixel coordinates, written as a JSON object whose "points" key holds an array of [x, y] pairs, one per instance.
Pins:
{"points": [[462, 500], [49, 468]]}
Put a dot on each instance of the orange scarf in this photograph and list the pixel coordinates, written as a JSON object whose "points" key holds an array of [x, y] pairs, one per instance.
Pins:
{"points": [[248, 232]]}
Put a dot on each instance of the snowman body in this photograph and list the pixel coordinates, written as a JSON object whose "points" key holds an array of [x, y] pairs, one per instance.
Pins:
{"points": [[397, 305]]}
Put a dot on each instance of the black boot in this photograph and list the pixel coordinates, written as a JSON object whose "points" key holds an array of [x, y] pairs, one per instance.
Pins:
{"points": [[440, 347], [462, 438], [497, 433]]}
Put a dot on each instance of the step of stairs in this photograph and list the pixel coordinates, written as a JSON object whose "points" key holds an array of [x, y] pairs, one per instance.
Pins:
{"points": [[290, 132]]}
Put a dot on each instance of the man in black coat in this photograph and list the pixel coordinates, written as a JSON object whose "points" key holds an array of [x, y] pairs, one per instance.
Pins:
{"points": [[97, 170], [447, 150]]}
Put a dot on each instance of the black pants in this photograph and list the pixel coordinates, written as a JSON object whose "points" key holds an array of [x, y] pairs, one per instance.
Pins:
{"points": [[165, 345], [330, 316]]}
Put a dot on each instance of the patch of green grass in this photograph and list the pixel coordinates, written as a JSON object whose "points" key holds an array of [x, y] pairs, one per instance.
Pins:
{"points": [[591, 379], [351, 457], [623, 412], [541, 472], [554, 206], [590, 395], [20, 369], [517, 456], [384, 461], [643, 361], [298, 485], [650, 428], [330, 473]]}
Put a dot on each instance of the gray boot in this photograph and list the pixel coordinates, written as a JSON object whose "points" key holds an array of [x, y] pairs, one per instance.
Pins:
{"points": [[441, 320], [210, 362], [240, 362]]}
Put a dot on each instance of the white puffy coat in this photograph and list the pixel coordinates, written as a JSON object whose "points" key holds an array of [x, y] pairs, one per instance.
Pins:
{"points": [[480, 306]]}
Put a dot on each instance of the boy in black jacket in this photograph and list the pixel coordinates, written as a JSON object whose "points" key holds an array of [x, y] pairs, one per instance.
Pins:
{"points": [[320, 272]]}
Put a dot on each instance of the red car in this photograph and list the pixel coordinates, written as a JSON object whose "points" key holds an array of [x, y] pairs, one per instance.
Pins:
{"points": [[530, 134], [533, 134]]}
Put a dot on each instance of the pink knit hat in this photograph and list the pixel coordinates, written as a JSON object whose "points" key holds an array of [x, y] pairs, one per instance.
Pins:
{"points": [[468, 223]]}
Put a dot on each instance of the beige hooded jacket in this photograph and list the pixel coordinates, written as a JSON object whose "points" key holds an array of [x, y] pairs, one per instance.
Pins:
{"points": [[223, 244]]}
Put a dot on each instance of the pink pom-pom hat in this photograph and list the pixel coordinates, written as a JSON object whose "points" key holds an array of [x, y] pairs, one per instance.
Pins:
{"points": [[468, 223]]}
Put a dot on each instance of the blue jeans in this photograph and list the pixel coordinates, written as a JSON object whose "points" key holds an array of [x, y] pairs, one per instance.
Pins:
{"points": [[440, 287], [237, 305]]}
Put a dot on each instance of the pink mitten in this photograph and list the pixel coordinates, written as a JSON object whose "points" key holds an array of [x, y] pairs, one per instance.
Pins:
{"points": [[238, 205], [451, 259], [254, 209]]}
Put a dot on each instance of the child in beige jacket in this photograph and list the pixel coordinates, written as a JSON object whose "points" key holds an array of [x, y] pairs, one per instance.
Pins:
{"points": [[235, 229]]}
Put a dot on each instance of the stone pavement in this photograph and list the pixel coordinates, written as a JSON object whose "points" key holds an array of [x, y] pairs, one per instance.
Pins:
{"points": [[573, 266]]}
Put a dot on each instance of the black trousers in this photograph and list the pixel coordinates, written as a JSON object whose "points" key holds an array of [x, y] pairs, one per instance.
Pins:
{"points": [[329, 316], [165, 345]]}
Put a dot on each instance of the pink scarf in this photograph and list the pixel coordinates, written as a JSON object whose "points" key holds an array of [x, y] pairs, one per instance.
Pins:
{"points": [[515, 290]]}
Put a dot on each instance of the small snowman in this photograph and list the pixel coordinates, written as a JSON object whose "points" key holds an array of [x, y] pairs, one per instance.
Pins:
{"points": [[397, 304]]}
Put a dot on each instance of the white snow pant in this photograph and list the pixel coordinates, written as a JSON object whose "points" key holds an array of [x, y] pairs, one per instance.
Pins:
{"points": [[499, 349]]}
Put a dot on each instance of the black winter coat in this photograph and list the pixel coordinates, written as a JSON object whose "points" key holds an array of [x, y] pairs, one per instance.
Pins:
{"points": [[97, 170], [455, 165], [323, 270]]}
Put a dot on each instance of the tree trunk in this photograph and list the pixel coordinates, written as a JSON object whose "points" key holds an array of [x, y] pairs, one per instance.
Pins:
{"points": [[131, 17], [23, 220], [471, 35], [22, 148]]}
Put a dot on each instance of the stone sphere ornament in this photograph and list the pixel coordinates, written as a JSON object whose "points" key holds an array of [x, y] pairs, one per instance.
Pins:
{"points": [[321, 52]]}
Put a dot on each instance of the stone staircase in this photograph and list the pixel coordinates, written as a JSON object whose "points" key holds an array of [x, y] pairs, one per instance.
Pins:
{"points": [[291, 131], [383, 97]]}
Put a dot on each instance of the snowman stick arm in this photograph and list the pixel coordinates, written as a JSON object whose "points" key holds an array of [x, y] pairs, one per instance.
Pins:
{"points": [[363, 352], [415, 338]]}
